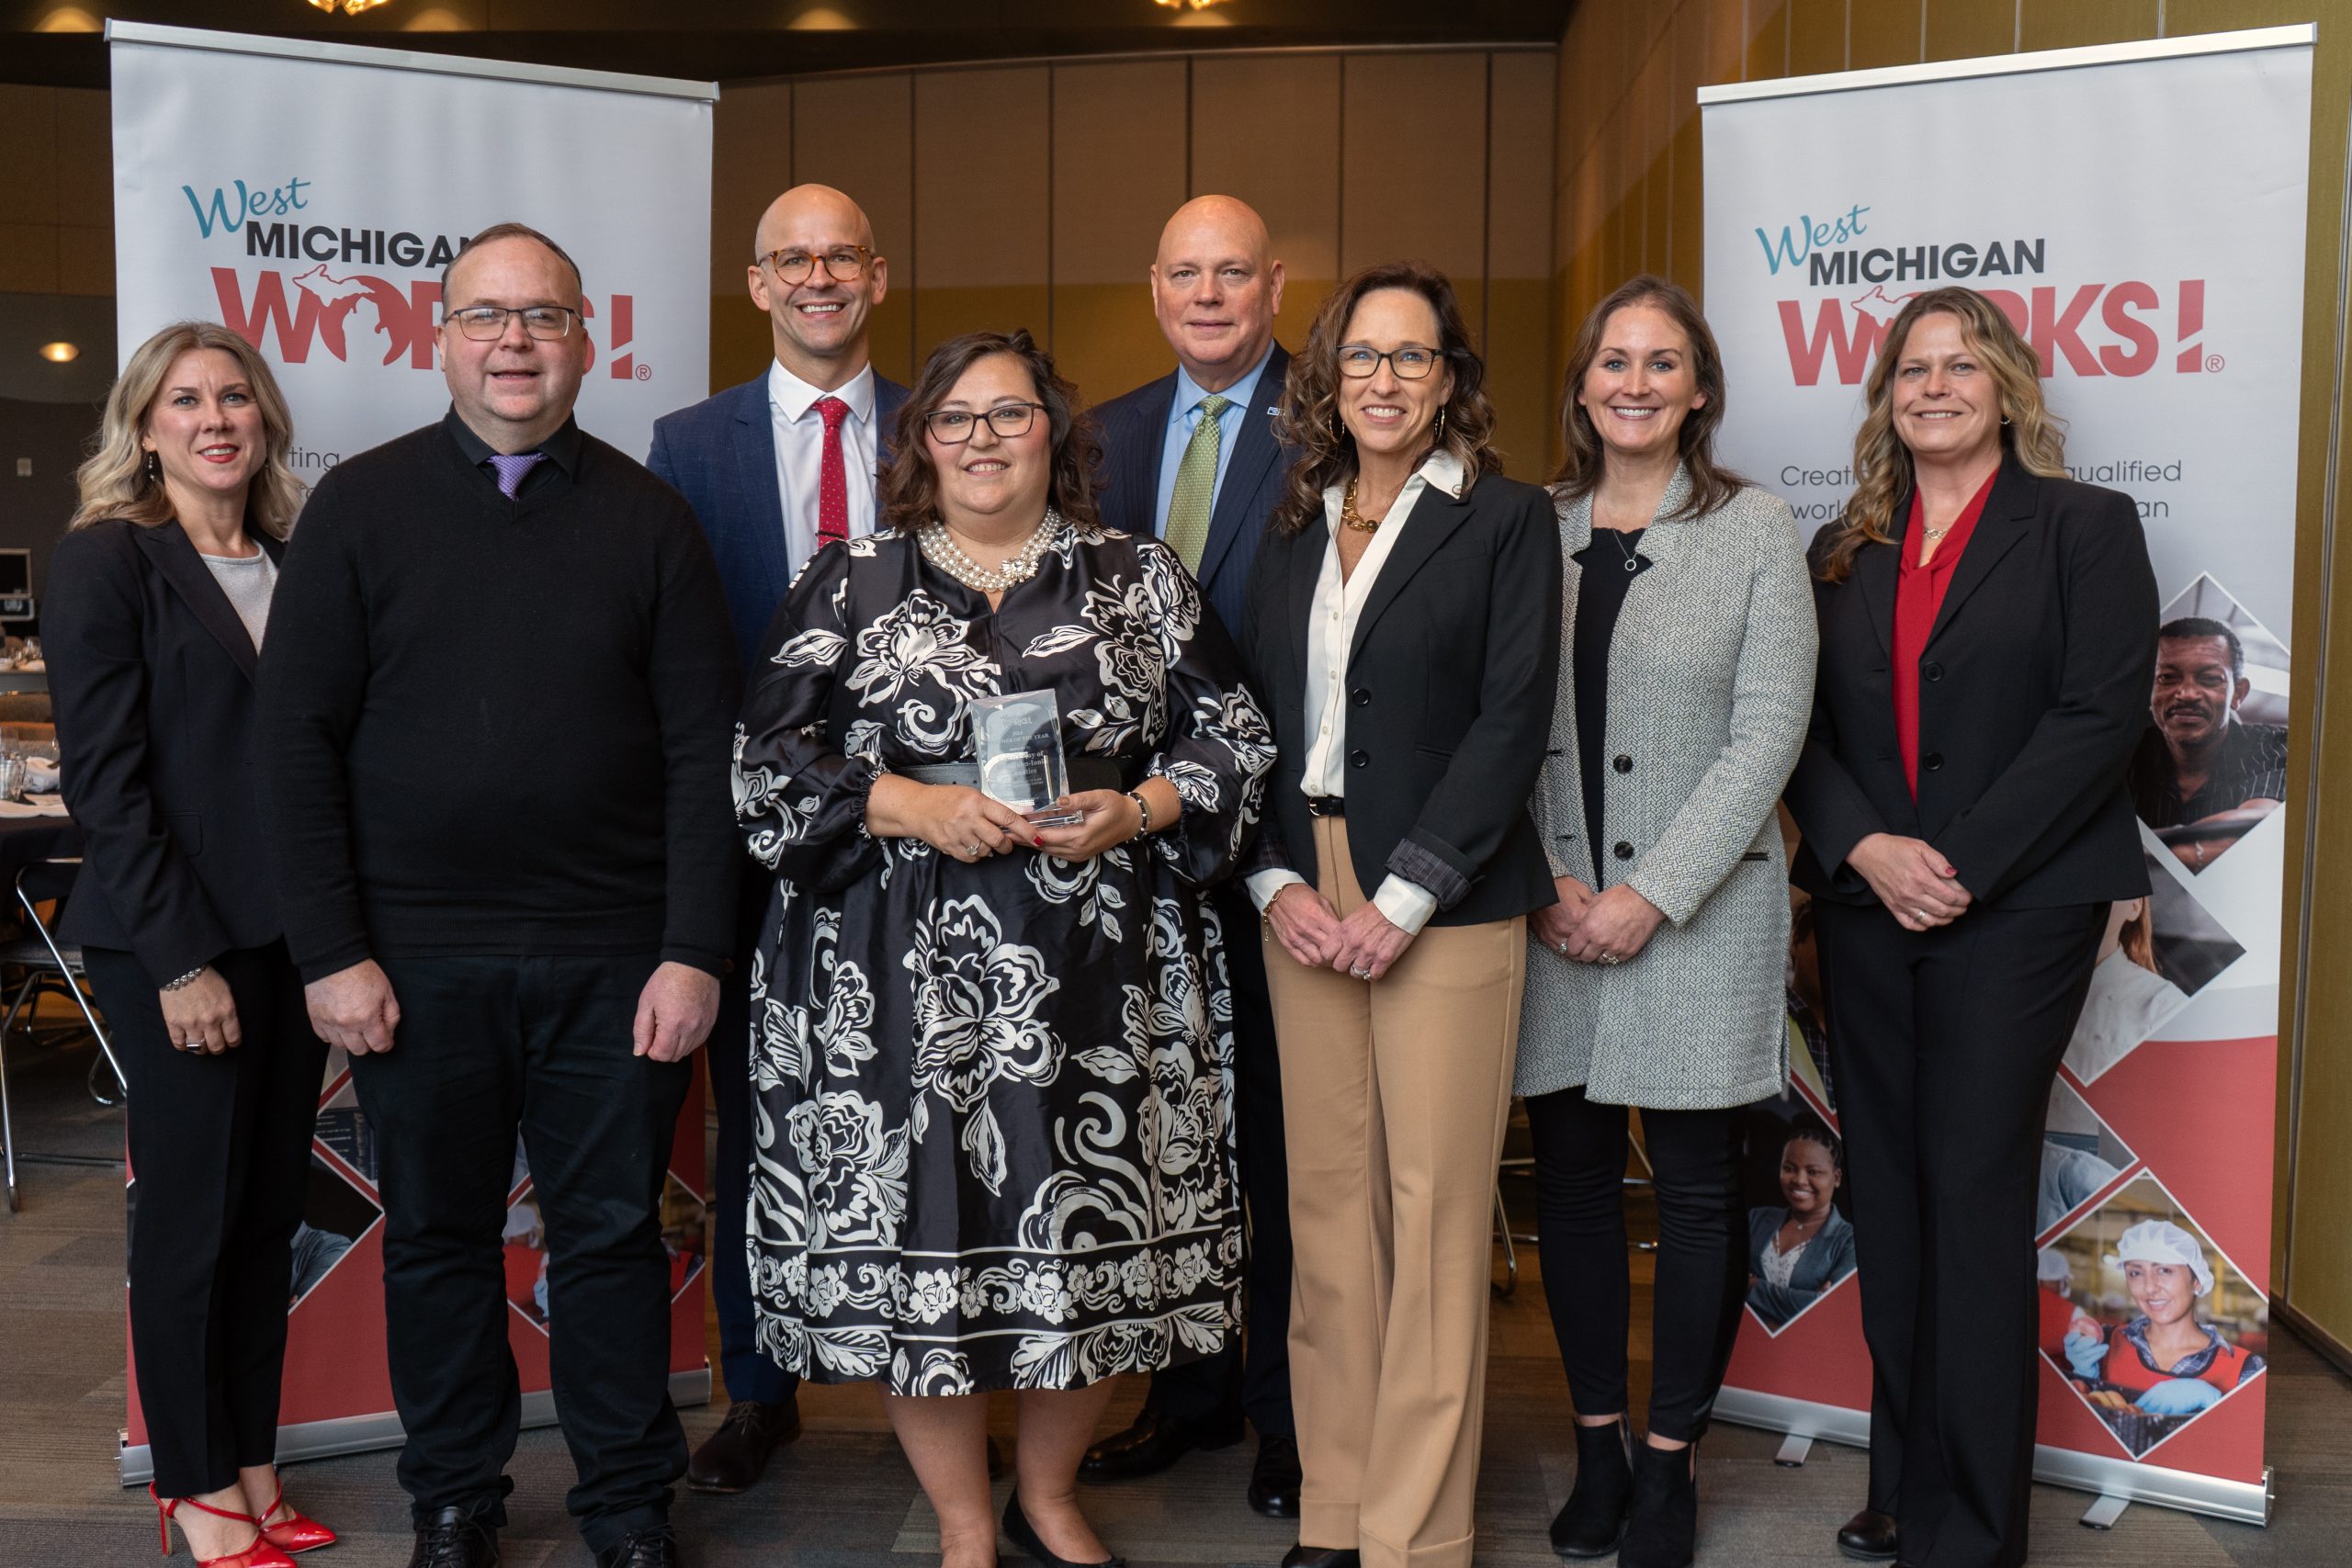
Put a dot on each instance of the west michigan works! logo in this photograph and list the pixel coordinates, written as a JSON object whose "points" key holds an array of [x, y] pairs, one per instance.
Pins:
{"points": [[1859, 279], [288, 310]]}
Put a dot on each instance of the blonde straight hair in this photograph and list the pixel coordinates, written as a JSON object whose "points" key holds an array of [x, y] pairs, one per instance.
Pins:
{"points": [[116, 481], [1882, 472]]}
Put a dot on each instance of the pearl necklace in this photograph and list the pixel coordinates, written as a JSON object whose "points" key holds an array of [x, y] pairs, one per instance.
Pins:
{"points": [[939, 548]]}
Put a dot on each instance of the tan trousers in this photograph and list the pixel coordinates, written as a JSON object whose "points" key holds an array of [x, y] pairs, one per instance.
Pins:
{"points": [[1395, 1094]]}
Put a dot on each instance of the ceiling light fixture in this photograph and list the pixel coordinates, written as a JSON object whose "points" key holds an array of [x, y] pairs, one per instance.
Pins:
{"points": [[348, 8], [59, 353], [1165, 4]]}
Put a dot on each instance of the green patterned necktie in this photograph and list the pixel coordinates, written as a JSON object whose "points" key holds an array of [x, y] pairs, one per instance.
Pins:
{"points": [[1188, 509]]}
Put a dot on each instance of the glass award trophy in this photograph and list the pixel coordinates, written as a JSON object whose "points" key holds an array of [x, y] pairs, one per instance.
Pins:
{"points": [[1018, 738]]}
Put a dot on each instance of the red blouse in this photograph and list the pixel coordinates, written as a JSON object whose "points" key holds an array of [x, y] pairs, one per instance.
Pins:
{"points": [[1919, 595]]}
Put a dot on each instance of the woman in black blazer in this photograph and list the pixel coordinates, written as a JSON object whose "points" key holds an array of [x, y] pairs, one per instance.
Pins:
{"points": [[1404, 632], [1987, 640], [157, 597]]}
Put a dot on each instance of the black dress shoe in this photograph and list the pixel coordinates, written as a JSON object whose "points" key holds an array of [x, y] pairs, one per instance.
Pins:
{"points": [[654, 1548], [1867, 1537], [1592, 1521], [455, 1538], [731, 1459], [1304, 1556], [1274, 1479], [1152, 1444], [1024, 1536]]}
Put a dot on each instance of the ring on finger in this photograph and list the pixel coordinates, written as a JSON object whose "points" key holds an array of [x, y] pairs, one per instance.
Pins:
{"points": [[1920, 915]]}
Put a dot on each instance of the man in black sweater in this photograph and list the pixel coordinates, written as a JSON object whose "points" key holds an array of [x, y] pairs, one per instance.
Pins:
{"points": [[497, 715]]}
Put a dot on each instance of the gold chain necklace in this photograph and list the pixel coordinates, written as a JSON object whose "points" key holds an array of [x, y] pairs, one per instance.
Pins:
{"points": [[1350, 518]]}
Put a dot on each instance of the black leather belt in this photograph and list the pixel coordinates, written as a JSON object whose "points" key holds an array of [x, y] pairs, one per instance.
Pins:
{"points": [[1327, 805]]}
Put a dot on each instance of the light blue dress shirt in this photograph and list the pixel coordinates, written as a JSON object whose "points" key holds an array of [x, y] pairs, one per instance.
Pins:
{"points": [[1184, 412]]}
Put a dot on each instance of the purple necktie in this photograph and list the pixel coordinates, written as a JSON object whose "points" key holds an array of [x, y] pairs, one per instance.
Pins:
{"points": [[511, 467]]}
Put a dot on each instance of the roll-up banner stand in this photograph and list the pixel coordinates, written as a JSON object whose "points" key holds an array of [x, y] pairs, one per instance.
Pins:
{"points": [[307, 196], [2137, 210]]}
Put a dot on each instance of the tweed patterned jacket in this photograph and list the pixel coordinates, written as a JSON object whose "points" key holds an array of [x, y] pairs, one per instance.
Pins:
{"points": [[1710, 690]]}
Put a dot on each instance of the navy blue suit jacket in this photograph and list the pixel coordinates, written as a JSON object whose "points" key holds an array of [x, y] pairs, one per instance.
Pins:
{"points": [[1135, 439], [720, 454]]}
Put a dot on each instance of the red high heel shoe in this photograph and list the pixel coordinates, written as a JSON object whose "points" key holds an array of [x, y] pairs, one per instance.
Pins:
{"points": [[260, 1554], [299, 1533]]}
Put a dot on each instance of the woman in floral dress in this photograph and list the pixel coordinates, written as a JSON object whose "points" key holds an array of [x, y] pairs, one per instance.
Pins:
{"points": [[991, 1059]]}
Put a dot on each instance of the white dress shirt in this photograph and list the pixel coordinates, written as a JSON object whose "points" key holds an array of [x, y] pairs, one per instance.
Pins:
{"points": [[800, 455], [1331, 632]]}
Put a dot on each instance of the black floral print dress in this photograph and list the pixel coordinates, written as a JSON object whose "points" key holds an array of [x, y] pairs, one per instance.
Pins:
{"points": [[993, 1102]]}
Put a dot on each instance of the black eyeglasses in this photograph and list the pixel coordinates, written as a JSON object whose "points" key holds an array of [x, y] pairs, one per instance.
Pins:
{"points": [[487, 323], [953, 427], [843, 263], [1360, 361]]}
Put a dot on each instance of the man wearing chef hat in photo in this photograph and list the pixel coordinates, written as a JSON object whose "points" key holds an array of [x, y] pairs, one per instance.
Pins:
{"points": [[2167, 1361]]}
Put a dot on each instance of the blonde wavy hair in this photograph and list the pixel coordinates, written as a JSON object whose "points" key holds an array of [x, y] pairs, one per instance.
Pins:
{"points": [[2030, 434], [117, 481], [1309, 419]]}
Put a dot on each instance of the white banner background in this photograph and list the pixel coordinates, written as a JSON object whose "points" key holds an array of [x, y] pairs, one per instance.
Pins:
{"points": [[355, 164], [361, 167], [2144, 206]]}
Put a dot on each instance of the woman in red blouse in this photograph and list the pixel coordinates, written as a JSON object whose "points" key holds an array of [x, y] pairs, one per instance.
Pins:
{"points": [[1987, 641]]}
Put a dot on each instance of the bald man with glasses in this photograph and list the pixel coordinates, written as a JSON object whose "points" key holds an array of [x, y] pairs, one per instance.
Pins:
{"points": [[777, 470]]}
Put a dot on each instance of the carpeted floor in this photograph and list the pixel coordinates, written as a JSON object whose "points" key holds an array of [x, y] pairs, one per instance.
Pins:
{"points": [[842, 1497]]}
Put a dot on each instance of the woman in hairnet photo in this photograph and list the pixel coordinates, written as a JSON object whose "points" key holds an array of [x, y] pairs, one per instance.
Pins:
{"points": [[2167, 1361]]}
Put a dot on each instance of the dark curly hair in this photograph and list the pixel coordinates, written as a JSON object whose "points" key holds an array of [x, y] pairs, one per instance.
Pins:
{"points": [[1310, 408], [1808, 1128], [911, 484]]}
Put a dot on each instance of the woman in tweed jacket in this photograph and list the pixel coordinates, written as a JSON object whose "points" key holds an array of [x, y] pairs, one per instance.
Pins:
{"points": [[1687, 652]]}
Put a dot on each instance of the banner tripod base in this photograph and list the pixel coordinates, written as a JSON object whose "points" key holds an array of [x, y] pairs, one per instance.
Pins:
{"points": [[2102, 1513], [1793, 1452]]}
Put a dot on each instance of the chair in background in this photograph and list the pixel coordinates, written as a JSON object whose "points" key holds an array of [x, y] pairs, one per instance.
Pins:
{"points": [[48, 966]]}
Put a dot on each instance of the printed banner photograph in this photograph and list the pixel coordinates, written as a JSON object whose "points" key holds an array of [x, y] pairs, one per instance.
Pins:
{"points": [[2154, 260], [315, 222]]}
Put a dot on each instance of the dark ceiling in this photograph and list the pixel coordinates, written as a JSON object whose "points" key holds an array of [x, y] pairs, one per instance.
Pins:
{"points": [[52, 42]]}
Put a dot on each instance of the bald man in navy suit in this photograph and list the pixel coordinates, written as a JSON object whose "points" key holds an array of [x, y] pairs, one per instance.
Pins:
{"points": [[1191, 458], [775, 470]]}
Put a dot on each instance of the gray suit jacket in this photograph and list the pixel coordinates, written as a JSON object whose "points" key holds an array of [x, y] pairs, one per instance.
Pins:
{"points": [[1710, 691]]}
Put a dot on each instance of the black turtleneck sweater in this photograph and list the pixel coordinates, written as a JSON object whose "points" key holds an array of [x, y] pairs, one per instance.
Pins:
{"points": [[495, 726]]}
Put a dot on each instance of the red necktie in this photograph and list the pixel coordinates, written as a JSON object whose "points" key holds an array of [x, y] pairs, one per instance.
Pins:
{"points": [[833, 476]]}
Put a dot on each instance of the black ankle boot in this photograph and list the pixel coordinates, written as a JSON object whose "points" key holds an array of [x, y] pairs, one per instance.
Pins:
{"points": [[1663, 1529], [1592, 1521]]}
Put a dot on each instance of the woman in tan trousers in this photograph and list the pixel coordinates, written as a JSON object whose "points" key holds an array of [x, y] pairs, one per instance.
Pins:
{"points": [[1403, 632]]}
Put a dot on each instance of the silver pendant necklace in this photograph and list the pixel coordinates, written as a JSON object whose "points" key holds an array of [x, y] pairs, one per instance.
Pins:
{"points": [[1633, 557]]}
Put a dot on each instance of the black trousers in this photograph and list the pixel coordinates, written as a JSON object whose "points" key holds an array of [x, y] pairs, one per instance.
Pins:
{"points": [[488, 1048], [747, 1371], [1581, 1150], [1946, 1045], [220, 1146], [1253, 1378]]}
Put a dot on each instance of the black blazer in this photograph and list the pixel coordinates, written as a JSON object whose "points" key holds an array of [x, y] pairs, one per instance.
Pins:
{"points": [[1134, 429], [2033, 690], [1450, 685], [151, 674]]}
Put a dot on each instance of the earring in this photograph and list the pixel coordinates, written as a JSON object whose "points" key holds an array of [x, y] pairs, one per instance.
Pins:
{"points": [[1440, 425], [154, 467], [2004, 419]]}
